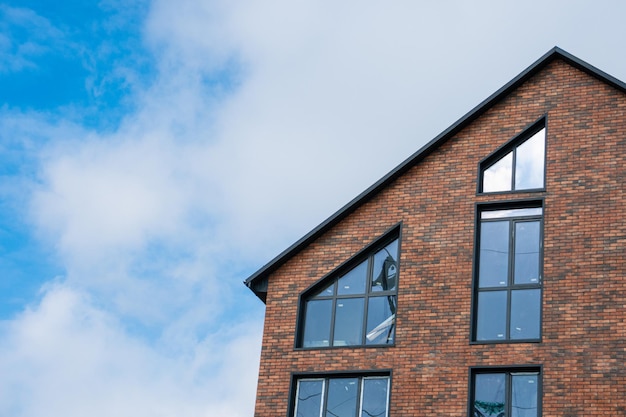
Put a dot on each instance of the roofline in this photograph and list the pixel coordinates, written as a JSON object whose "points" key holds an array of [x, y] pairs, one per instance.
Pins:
{"points": [[261, 275]]}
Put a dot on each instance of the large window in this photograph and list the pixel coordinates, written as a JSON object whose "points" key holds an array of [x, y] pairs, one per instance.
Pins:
{"points": [[505, 392], [517, 166], [355, 305], [507, 299], [350, 396]]}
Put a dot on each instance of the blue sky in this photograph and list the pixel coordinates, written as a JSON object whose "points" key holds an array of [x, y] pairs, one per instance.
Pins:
{"points": [[156, 153]]}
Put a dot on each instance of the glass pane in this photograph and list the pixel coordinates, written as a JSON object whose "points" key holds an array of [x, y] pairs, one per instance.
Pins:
{"points": [[349, 322], [328, 291], [489, 394], [354, 281], [524, 395], [525, 314], [491, 321], [385, 268], [520, 212], [342, 397], [529, 162], [374, 397], [317, 323], [309, 403], [527, 243], [494, 254], [381, 320], [498, 177]]}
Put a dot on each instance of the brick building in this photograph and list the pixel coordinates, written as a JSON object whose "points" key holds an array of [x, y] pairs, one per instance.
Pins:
{"points": [[484, 276]]}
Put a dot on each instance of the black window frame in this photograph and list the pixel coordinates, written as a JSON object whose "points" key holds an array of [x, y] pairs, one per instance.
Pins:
{"points": [[361, 375], [510, 285], [511, 146], [508, 371], [367, 253]]}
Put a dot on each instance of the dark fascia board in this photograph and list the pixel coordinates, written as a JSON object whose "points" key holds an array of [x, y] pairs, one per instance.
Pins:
{"points": [[257, 282]]}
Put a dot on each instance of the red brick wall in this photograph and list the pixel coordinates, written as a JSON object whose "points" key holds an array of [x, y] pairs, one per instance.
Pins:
{"points": [[583, 348]]}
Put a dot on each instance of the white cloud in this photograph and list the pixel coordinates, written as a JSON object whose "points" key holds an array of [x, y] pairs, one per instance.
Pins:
{"points": [[131, 220], [67, 357], [105, 195]]}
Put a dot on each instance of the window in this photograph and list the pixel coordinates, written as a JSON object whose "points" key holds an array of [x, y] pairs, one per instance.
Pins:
{"points": [[342, 397], [518, 166], [507, 299], [505, 392], [358, 305]]}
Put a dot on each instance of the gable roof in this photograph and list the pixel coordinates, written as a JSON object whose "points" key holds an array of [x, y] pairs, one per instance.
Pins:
{"points": [[257, 282]]}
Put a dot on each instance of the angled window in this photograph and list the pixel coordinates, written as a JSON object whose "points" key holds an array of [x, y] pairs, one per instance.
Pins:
{"points": [[349, 396], [507, 282], [518, 166], [501, 392], [356, 305]]}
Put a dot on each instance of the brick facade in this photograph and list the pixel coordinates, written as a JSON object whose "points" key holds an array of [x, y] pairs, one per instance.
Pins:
{"points": [[583, 347]]}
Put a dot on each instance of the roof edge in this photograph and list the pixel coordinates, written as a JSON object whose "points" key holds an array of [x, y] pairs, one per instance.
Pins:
{"points": [[257, 282]]}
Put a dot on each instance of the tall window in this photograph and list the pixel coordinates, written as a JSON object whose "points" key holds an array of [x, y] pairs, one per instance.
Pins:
{"points": [[517, 166], [507, 302], [356, 306], [505, 393], [342, 397]]}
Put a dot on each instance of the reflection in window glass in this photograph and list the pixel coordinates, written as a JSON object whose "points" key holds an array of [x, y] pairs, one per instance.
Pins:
{"points": [[499, 394], [498, 176], [357, 307], [491, 322], [489, 394], [317, 323], [328, 291], [520, 169], [381, 320], [527, 243], [518, 212], [309, 398], [494, 254], [524, 398], [348, 312], [354, 281], [525, 314], [342, 397], [385, 268], [374, 397], [529, 162]]}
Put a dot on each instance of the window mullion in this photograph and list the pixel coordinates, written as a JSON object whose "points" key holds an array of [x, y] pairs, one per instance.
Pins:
{"points": [[366, 304], [540, 249], [510, 278], [366, 299], [508, 314], [508, 409], [359, 409], [513, 164], [324, 397], [331, 341], [370, 273]]}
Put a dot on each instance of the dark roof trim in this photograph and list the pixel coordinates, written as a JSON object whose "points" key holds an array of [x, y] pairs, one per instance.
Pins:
{"points": [[257, 282]]}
